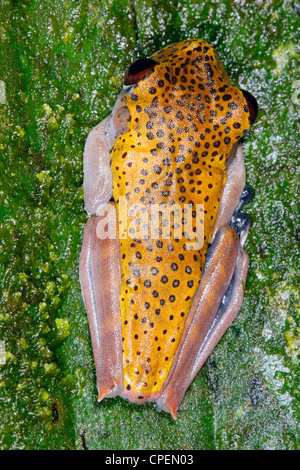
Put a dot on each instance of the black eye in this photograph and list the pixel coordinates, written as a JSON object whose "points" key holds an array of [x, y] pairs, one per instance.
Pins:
{"points": [[138, 70], [252, 105]]}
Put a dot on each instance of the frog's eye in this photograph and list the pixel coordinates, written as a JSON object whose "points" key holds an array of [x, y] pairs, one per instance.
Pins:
{"points": [[138, 70], [252, 105]]}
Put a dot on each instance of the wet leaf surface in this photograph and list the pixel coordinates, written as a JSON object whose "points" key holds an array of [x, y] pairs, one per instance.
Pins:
{"points": [[61, 68]]}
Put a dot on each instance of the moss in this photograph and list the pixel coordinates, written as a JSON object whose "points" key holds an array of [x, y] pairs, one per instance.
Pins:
{"points": [[60, 73]]}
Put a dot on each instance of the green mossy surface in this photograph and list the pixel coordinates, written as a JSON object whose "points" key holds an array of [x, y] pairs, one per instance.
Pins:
{"points": [[61, 68]]}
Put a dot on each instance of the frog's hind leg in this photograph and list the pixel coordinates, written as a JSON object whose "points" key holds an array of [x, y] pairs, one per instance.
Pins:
{"points": [[99, 266], [100, 281], [220, 293], [219, 269]]}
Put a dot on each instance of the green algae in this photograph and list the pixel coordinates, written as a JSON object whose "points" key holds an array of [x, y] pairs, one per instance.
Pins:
{"points": [[61, 69]]}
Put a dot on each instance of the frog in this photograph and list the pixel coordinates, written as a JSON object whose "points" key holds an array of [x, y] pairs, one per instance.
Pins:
{"points": [[158, 302]]}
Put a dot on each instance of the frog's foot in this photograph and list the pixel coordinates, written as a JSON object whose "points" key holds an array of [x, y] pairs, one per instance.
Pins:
{"points": [[216, 304], [99, 271]]}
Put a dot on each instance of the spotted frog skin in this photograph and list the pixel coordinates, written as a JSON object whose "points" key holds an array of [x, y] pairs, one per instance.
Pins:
{"points": [[157, 305]]}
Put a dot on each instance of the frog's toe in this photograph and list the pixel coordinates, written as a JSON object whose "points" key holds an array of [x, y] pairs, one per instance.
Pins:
{"points": [[241, 222]]}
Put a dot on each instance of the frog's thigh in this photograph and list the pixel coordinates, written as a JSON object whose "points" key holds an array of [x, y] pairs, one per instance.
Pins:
{"points": [[97, 181], [227, 311], [99, 271], [224, 255]]}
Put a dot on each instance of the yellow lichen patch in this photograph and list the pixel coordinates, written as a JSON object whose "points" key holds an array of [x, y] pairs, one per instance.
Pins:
{"points": [[185, 118]]}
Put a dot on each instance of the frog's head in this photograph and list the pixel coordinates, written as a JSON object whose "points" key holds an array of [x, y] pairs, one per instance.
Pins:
{"points": [[184, 86]]}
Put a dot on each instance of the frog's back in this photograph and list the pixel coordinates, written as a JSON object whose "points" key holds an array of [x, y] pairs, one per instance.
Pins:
{"points": [[184, 119]]}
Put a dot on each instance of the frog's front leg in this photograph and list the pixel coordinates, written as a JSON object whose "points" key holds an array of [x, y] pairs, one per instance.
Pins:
{"points": [[97, 182], [99, 266], [98, 178]]}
